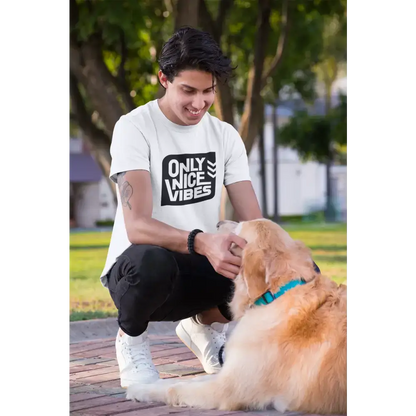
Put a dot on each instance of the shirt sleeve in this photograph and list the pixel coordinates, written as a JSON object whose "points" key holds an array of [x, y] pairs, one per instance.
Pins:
{"points": [[236, 161], [129, 149]]}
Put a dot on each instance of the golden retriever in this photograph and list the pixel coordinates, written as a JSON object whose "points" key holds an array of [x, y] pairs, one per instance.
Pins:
{"points": [[290, 354]]}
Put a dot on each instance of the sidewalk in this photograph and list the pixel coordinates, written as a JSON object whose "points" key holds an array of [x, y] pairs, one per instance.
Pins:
{"points": [[94, 379]]}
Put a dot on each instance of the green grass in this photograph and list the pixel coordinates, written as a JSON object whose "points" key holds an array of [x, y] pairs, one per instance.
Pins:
{"points": [[88, 251], [89, 299], [328, 243]]}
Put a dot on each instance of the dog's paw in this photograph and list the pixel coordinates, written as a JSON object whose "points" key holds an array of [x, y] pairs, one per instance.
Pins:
{"points": [[138, 393]]}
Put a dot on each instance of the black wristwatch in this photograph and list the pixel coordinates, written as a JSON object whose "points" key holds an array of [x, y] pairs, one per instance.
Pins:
{"points": [[191, 240]]}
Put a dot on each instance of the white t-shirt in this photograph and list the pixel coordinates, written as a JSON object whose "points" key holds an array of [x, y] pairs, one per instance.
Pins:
{"points": [[188, 166]]}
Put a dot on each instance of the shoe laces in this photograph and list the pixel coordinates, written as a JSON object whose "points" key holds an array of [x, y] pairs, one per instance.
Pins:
{"points": [[219, 338], [140, 356]]}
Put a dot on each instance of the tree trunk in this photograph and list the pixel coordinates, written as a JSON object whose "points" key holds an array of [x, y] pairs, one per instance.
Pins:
{"points": [[330, 75], [224, 103], [329, 208], [258, 75], [263, 172], [87, 65], [253, 106], [224, 100], [121, 81], [252, 117], [275, 166], [186, 13]]}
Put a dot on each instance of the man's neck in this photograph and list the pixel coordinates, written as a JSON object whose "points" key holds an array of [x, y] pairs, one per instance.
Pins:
{"points": [[168, 113]]}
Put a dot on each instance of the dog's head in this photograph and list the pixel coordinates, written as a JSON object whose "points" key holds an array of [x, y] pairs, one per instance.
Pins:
{"points": [[270, 259]]}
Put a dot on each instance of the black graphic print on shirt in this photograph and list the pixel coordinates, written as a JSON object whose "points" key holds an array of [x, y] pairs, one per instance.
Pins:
{"points": [[188, 178]]}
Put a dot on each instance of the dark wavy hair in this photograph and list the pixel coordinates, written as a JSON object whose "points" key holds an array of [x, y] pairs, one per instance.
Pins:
{"points": [[191, 48]]}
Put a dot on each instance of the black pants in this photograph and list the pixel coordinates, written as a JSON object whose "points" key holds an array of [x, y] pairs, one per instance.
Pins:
{"points": [[149, 283]]}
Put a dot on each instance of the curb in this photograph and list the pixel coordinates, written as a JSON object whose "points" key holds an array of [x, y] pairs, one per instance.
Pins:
{"points": [[79, 331], [94, 329], [108, 327]]}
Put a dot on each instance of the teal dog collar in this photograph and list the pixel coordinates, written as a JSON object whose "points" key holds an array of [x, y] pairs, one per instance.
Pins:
{"points": [[269, 297]]}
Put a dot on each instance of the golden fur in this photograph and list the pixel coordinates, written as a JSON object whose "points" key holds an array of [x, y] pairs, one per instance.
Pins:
{"points": [[288, 355]]}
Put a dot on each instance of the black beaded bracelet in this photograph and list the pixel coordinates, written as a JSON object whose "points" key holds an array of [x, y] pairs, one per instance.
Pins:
{"points": [[191, 240]]}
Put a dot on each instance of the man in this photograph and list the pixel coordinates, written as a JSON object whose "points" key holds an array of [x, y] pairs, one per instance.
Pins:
{"points": [[170, 159]]}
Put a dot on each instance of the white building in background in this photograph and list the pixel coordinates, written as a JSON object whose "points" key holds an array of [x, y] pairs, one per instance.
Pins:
{"points": [[91, 199]]}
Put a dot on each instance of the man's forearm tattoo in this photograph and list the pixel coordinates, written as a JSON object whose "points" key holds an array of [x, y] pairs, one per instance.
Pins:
{"points": [[126, 190]]}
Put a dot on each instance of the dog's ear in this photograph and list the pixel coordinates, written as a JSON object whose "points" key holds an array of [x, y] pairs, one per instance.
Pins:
{"points": [[278, 269], [253, 271], [293, 263]]}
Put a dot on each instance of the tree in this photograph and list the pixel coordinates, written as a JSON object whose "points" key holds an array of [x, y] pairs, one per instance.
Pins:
{"points": [[114, 47], [310, 135]]}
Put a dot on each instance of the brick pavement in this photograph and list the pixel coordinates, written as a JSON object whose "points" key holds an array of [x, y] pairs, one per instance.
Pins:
{"points": [[95, 387]]}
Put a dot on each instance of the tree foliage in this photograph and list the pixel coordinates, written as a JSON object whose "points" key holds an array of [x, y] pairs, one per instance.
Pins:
{"points": [[114, 47], [311, 135]]}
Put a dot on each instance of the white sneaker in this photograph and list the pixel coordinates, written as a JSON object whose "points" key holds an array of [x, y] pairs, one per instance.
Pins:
{"points": [[134, 360], [204, 341]]}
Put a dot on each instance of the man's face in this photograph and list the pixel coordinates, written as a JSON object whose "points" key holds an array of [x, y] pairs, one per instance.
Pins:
{"points": [[188, 97]]}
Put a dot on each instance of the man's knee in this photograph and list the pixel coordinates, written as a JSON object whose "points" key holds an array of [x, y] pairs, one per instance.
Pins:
{"points": [[149, 265], [142, 281]]}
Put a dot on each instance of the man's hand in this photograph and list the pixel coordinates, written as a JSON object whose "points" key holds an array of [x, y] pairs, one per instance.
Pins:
{"points": [[216, 247]]}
